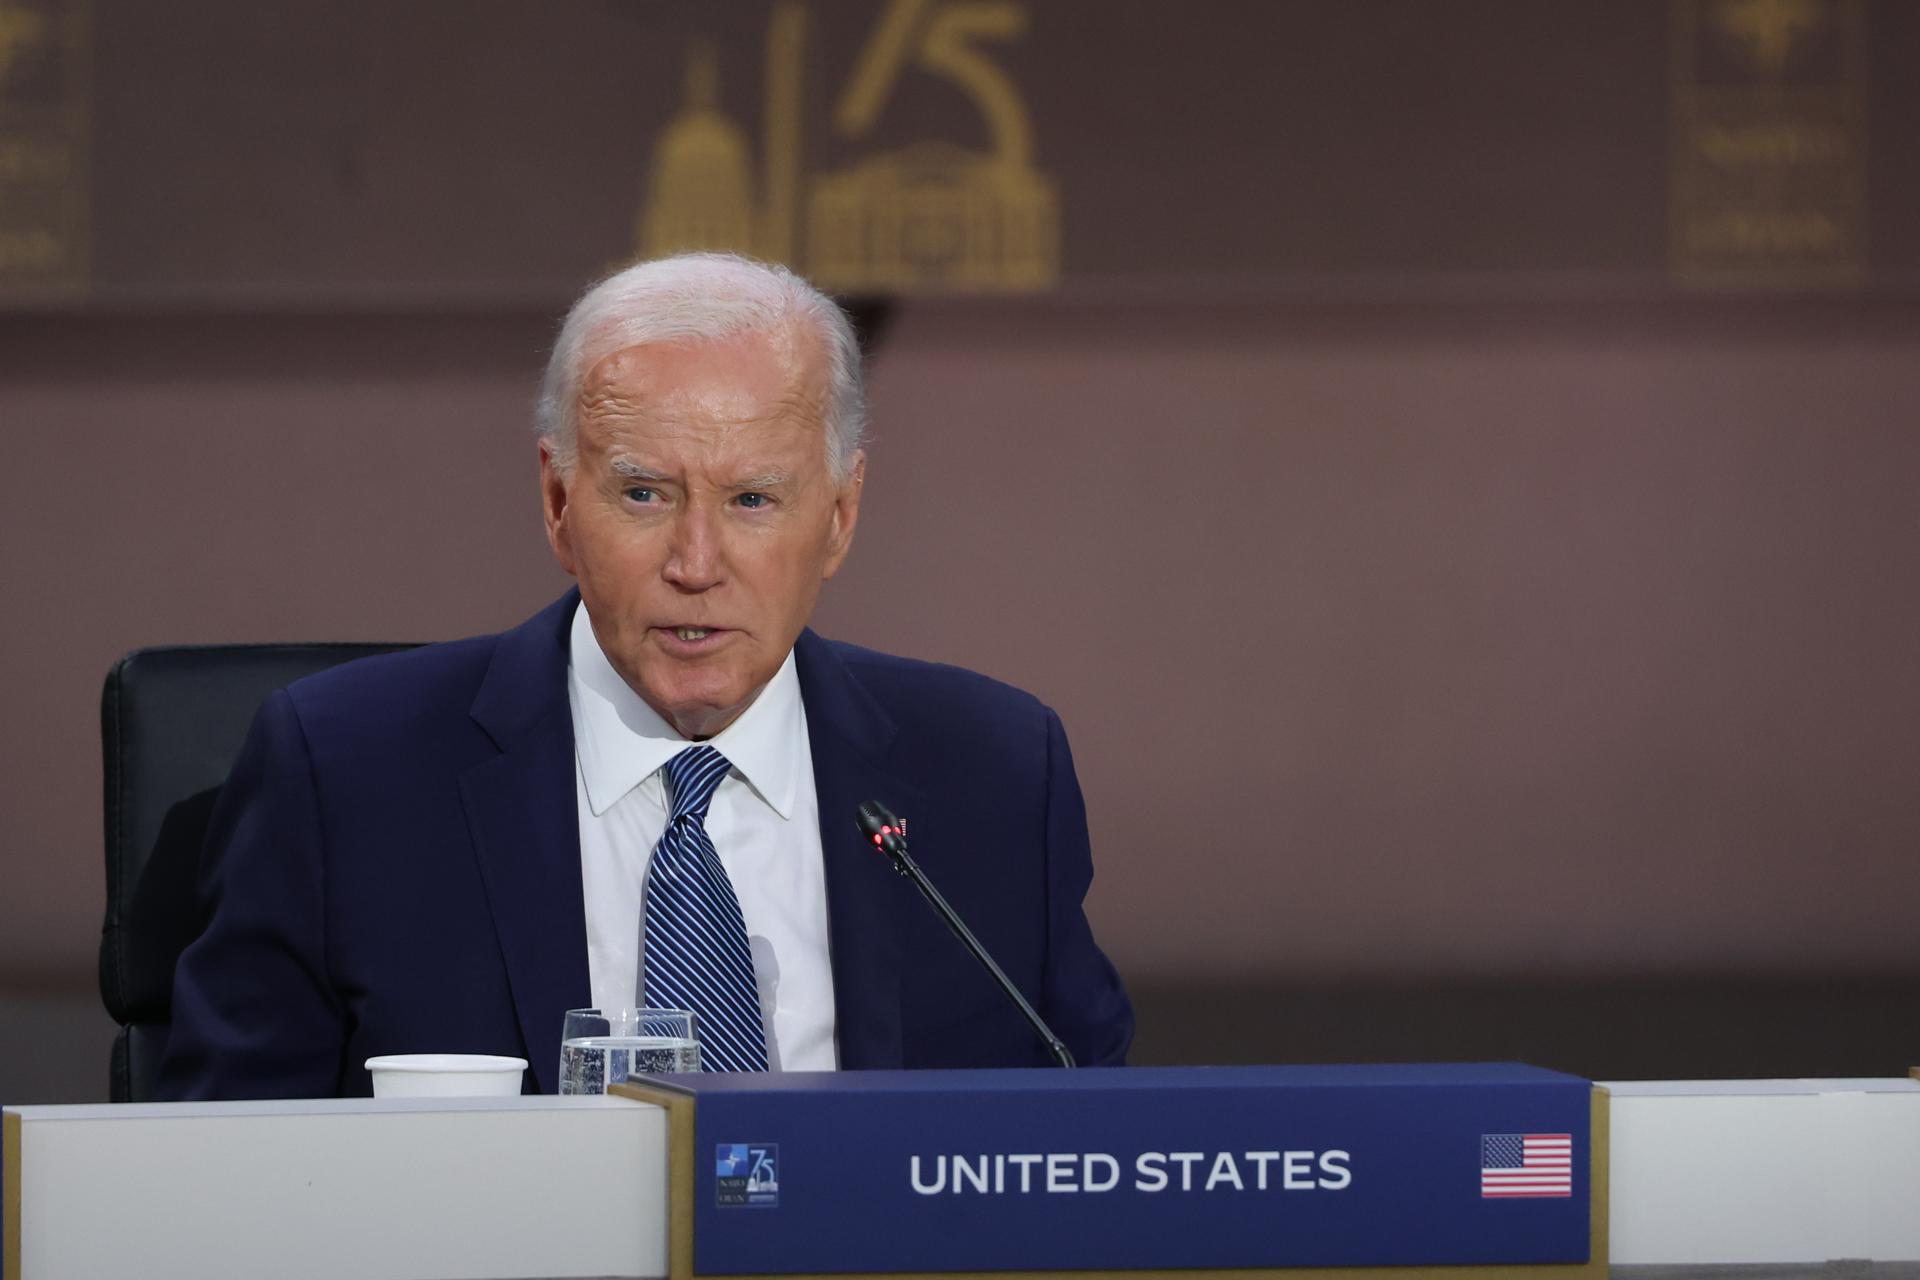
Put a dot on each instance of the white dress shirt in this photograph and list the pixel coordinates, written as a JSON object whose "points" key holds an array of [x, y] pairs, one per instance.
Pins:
{"points": [[764, 823]]}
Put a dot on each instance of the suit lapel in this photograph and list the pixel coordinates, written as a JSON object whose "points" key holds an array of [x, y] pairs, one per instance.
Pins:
{"points": [[850, 736], [523, 816]]}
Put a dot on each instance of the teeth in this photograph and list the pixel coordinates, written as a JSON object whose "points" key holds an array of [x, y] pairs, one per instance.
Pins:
{"points": [[691, 633]]}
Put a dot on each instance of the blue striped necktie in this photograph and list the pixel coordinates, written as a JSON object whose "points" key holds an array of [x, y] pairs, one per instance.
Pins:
{"points": [[695, 941]]}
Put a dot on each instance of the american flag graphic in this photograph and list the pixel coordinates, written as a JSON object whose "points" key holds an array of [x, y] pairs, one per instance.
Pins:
{"points": [[1517, 1165]]}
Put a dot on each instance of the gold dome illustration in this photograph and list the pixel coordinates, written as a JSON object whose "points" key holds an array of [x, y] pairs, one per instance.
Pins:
{"points": [[701, 187]]}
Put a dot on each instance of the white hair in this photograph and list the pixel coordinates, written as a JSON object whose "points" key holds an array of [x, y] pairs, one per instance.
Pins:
{"points": [[700, 296]]}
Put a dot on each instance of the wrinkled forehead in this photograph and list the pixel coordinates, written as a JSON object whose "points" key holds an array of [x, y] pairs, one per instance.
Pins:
{"points": [[754, 375]]}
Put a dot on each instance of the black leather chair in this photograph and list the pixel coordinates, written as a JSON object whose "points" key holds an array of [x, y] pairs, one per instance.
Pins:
{"points": [[171, 722]]}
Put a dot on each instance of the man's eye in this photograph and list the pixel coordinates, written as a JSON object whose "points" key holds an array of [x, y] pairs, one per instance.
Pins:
{"points": [[637, 493], [754, 501]]}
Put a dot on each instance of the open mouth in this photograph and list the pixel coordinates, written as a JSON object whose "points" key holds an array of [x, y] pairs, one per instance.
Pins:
{"points": [[689, 639]]}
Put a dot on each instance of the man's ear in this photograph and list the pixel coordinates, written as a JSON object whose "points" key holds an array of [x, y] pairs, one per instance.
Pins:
{"points": [[554, 482], [846, 514]]}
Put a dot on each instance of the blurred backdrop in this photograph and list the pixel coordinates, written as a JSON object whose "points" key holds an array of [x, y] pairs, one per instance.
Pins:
{"points": [[1453, 466]]}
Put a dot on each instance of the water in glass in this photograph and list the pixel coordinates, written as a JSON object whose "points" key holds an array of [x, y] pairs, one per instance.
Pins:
{"points": [[588, 1064]]}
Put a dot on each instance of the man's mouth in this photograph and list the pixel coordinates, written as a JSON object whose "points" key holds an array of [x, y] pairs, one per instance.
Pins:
{"points": [[693, 639]]}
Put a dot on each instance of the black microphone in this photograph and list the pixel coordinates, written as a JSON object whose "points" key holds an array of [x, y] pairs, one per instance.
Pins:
{"points": [[878, 824]]}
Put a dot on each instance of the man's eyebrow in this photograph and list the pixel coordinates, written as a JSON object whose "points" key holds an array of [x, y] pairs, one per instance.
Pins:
{"points": [[765, 480], [634, 471]]}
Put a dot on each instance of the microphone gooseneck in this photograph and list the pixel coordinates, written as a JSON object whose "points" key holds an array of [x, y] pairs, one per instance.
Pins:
{"points": [[878, 824]]}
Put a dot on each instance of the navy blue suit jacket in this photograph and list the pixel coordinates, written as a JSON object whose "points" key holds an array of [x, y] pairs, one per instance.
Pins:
{"points": [[394, 867]]}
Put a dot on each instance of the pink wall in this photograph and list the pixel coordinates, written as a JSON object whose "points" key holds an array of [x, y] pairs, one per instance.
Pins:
{"points": [[1393, 639]]}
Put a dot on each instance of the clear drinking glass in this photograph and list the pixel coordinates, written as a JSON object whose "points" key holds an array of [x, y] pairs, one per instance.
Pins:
{"points": [[599, 1047]]}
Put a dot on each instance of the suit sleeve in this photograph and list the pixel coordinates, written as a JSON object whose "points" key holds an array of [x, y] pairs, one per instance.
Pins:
{"points": [[253, 1013], [1085, 1003]]}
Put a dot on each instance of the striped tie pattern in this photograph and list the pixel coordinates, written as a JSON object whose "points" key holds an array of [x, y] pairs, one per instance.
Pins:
{"points": [[695, 941]]}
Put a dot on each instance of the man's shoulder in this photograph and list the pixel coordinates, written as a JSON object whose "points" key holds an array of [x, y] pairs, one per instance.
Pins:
{"points": [[417, 694], [445, 675], [424, 672], [926, 699], [393, 697], [885, 673]]}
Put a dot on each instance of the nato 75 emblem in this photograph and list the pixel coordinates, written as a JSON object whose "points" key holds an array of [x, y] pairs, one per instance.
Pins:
{"points": [[746, 1175]]}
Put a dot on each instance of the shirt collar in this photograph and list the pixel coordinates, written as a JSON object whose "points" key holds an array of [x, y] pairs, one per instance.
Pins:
{"points": [[621, 741]]}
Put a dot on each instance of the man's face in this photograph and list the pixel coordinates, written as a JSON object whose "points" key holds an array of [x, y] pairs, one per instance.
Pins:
{"points": [[700, 517]]}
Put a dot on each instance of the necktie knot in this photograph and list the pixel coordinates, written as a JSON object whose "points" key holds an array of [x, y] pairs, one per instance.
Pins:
{"points": [[692, 777]]}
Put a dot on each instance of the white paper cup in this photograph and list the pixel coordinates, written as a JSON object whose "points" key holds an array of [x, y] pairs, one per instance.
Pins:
{"points": [[446, 1075]]}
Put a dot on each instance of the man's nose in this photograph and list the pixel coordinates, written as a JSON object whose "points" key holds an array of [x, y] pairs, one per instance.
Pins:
{"points": [[694, 561]]}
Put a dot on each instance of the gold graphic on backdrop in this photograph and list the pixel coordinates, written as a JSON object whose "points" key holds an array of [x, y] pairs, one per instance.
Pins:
{"points": [[701, 190], [43, 145], [702, 173], [937, 214], [1767, 30], [931, 215], [1768, 143], [20, 28]]}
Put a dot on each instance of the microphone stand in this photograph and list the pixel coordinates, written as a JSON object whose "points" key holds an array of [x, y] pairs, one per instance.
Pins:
{"points": [[884, 829]]}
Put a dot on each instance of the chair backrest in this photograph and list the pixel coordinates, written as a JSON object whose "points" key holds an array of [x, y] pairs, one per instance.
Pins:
{"points": [[171, 722]]}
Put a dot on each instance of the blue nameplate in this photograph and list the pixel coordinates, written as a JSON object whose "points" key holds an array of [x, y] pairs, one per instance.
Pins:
{"points": [[1134, 1169]]}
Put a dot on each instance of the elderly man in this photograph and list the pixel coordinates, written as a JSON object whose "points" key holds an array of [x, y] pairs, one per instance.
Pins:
{"points": [[645, 795]]}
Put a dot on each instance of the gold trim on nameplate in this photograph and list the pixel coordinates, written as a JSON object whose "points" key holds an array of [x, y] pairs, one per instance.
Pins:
{"points": [[679, 1104], [10, 1170]]}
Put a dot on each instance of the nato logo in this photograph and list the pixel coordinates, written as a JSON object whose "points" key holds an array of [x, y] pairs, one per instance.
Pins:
{"points": [[746, 1175]]}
